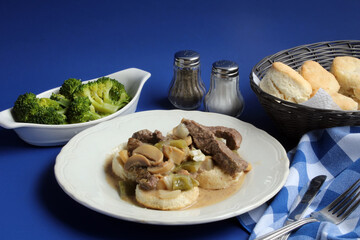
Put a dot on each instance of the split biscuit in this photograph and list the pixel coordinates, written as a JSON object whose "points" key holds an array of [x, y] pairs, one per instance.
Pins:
{"points": [[216, 179], [153, 198]]}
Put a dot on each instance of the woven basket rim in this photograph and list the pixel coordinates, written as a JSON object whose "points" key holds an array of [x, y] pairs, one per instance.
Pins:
{"points": [[256, 88]]}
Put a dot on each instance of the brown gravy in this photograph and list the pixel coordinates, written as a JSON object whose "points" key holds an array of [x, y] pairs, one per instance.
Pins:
{"points": [[206, 197]]}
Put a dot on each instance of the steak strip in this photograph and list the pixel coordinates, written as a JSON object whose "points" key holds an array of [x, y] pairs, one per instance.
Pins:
{"points": [[146, 136], [132, 144], [204, 139], [233, 138], [143, 136]]}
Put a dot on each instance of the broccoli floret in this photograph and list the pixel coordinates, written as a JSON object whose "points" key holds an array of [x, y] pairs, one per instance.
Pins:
{"points": [[61, 99], [25, 107], [30, 109], [81, 110], [76, 102], [106, 95], [69, 87]]}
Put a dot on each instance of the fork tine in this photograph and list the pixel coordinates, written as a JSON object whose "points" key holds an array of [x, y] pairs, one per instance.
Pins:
{"points": [[353, 207], [347, 201], [342, 196], [343, 206]]}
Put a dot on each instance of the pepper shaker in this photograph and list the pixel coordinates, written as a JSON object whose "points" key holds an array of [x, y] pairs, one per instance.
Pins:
{"points": [[224, 95], [186, 89]]}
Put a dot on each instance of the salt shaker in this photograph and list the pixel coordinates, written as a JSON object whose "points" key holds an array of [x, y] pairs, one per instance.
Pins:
{"points": [[224, 95], [186, 89]]}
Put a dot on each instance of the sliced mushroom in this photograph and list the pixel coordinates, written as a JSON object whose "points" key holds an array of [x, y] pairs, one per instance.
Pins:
{"points": [[122, 157], [150, 152], [136, 161], [174, 154], [164, 167]]}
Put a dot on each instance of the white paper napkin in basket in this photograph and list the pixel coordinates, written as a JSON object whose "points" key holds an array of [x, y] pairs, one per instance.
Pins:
{"points": [[321, 100]]}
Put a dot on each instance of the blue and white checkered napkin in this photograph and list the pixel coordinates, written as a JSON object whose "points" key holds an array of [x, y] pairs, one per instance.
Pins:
{"points": [[334, 152]]}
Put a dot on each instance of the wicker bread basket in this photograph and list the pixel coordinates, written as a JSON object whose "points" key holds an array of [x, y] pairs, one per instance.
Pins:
{"points": [[293, 119]]}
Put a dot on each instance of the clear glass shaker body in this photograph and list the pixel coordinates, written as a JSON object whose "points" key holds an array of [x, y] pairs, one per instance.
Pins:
{"points": [[224, 95], [186, 90]]}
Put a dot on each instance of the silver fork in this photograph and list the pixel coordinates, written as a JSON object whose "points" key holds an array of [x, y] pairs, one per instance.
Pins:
{"points": [[335, 212]]}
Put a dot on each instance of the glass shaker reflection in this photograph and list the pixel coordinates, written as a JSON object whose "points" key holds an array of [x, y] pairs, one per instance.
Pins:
{"points": [[224, 95], [186, 89]]}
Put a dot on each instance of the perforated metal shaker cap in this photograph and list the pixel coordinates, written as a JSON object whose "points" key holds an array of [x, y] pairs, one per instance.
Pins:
{"points": [[187, 58], [225, 69]]}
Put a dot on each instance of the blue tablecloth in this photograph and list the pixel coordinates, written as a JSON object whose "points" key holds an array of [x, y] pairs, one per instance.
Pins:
{"points": [[333, 152]]}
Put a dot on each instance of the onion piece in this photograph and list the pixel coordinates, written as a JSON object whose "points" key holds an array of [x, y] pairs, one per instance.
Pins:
{"points": [[181, 131], [168, 181]]}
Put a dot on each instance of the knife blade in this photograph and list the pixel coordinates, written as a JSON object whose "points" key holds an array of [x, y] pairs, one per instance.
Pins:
{"points": [[308, 197]]}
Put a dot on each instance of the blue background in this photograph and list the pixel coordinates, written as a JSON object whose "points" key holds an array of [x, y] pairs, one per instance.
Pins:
{"points": [[42, 43]]}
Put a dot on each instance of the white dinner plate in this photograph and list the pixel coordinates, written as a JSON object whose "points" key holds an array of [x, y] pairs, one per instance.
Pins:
{"points": [[79, 168]]}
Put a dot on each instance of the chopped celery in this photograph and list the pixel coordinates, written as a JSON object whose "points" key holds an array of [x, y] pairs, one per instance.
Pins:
{"points": [[183, 182], [179, 143], [127, 188], [159, 145], [191, 166]]}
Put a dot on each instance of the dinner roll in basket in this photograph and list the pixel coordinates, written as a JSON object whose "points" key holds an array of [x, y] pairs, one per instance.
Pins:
{"points": [[284, 82], [319, 77], [347, 71], [292, 119], [344, 102]]}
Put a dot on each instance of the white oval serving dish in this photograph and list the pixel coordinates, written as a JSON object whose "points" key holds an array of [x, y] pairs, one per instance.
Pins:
{"points": [[54, 135]]}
